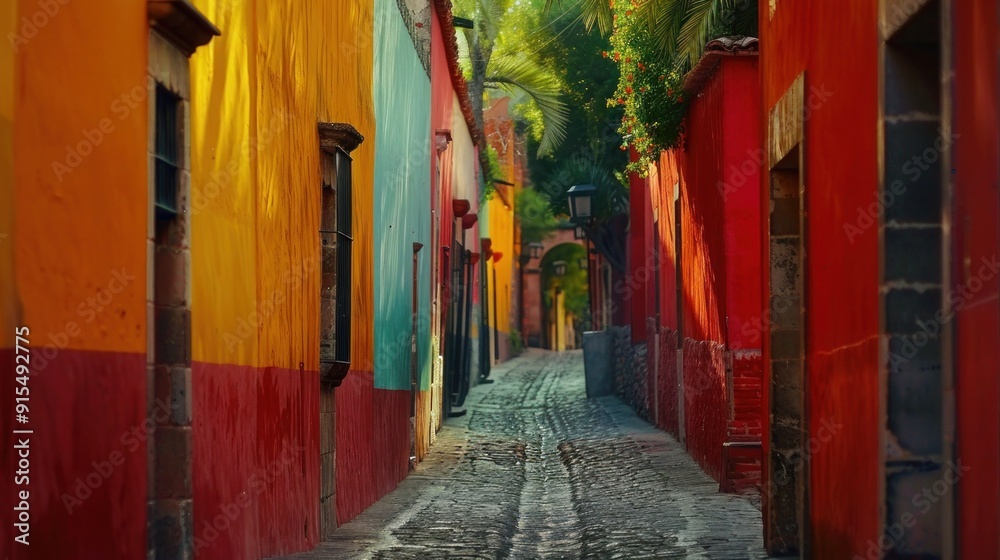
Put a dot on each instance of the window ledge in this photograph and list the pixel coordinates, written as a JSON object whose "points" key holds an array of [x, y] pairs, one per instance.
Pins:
{"points": [[334, 136], [332, 374], [181, 23]]}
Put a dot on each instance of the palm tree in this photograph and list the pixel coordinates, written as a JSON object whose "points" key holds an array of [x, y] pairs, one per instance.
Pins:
{"points": [[515, 72], [680, 27]]}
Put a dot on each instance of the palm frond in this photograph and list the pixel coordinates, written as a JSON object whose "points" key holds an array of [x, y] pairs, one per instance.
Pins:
{"points": [[701, 17], [515, 73], [595, 13], [681, 28], [666, 18]]}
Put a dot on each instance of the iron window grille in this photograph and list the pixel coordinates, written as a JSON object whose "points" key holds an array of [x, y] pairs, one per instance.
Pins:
{"points": [[336, 240], [167, 152]]}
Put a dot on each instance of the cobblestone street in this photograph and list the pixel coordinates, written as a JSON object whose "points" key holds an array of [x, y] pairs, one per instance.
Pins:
{"points": [[535, 470]]}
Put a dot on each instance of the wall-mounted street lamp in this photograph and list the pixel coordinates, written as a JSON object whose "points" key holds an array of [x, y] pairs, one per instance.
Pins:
{"points": [[581, 203], [536, 250], [559, 267], [580, 199]]}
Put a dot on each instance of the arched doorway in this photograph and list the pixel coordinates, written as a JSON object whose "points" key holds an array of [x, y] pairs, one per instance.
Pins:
{"points": [[564, 296]]}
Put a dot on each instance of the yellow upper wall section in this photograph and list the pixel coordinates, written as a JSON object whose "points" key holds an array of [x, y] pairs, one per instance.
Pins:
{"points": [[76, 220], [258, 92]]}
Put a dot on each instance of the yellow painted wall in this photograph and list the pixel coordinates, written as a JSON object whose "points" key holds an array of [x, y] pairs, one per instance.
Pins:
{"points": [[79, 143], [501, 232], [500, 225], [277, 70]]}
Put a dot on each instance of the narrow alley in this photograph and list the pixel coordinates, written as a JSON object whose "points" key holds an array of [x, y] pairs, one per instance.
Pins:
{"points": [[527, 279], [537, 470]]}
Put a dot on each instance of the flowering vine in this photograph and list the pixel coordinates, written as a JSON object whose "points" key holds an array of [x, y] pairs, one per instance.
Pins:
{"points": [[649, 87]]}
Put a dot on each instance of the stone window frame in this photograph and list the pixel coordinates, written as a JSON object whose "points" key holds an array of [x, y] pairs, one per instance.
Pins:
{"points": [[898, 454], [336, 142], [176, 29], [786, 136]]}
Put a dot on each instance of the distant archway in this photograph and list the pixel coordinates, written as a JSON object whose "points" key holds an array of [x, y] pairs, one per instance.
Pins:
{"points": [[542, 307]]}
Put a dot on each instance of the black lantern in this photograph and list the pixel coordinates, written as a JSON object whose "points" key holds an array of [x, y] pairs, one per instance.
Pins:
{"points": [[584, 261], [535, 250], [580, 233], [559, 267], [581, 202]]}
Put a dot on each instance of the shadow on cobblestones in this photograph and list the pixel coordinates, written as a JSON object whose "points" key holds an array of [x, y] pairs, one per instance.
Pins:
{"points": [[536, 470]]}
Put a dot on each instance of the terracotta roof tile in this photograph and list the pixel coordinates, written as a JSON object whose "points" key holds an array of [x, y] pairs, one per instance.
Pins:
{"points": [[444, 15]]}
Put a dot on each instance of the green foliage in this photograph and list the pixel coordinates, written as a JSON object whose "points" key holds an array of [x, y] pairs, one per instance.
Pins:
{"points": [[507, 37], [534, 215], [573, 284], [516, 73], [583, 169], [493, 173], [592, 154], [679, 28], [516, 342], [649, 87], [655, 42]]}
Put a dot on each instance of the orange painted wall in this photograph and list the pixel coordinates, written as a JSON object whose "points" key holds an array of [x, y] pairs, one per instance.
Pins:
{"points": [[277, 74], [63, 252], [8, 24], [73, 175]]}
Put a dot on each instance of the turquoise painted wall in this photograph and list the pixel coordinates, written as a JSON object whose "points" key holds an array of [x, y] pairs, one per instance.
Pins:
{"points": [[402, 201]]}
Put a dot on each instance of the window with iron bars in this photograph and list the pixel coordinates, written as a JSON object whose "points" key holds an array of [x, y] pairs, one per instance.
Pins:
{"points": [[167, 152], [336, 241]]}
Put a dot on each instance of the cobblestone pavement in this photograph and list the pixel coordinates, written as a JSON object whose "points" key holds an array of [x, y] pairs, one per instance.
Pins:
{"points": [[536, 470]]}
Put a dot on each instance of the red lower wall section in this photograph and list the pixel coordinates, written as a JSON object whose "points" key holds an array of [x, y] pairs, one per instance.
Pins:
{"points": [[844, 501], [746, 422], [373, 443], [87, 472], [705, 403], [256, 461]]}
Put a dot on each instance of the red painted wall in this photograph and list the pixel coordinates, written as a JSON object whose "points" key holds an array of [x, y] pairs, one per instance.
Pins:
{"points": [[639, 262], [256, 460], [83, 409], [703, 261], [662, 180], [977, 165], [835, 44], [373, 443], [720, 263], [743, 162]]}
